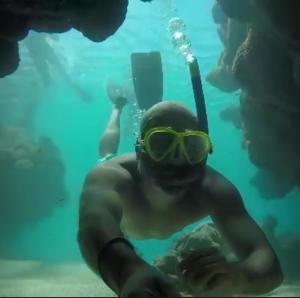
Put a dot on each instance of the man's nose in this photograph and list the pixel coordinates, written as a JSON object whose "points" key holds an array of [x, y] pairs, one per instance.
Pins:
{"points": [[178, 158]]}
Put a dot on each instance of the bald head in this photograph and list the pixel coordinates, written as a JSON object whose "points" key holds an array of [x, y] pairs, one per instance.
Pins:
{"points": [[169, 114]]}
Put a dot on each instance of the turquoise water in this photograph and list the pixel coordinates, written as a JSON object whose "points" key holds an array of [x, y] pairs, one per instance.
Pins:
{"points": [[76, 126]]}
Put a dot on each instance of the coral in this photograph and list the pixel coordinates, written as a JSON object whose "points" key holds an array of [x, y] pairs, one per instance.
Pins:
{"points": [[240, 10], [97, 20], [266, 67], [232, 33], [208, 237], [32, 178], [203, 238]]}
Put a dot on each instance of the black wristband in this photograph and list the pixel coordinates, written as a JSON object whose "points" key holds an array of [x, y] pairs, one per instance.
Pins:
{"points": [[107, 245]]}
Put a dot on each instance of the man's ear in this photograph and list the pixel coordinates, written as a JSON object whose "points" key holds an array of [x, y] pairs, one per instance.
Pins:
{"points": [[211, 150], [138, 148]]}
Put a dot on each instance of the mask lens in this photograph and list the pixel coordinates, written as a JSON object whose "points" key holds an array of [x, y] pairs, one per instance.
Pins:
{"points": [[196, 147], [159, 143]]}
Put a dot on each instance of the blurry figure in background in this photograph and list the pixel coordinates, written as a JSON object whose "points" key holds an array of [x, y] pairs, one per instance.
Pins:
{"points": [[47, 61], [109, 142], [152, 194], [147, 74], [42, 55], [19, 97]]}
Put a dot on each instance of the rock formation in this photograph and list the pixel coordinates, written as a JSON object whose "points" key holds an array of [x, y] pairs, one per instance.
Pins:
{"points": [[32, 181], [265, 67], [96, 19]]}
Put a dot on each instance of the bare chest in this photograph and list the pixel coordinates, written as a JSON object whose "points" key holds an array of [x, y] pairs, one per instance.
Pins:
{"points": [[144, 221]]}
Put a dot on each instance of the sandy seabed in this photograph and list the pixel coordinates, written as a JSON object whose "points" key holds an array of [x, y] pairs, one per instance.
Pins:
{"points": [[35, 279]]}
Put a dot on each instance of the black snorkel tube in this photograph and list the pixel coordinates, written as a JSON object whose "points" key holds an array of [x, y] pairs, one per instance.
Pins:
{"points": [[198, 95], [180, 41]]}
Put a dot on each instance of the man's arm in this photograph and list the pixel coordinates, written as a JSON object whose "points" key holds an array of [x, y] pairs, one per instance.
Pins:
{"points": [[99, 223], [259, 265]]}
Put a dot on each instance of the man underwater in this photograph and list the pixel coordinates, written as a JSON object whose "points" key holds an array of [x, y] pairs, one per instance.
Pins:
{"points": [[163, 187]]}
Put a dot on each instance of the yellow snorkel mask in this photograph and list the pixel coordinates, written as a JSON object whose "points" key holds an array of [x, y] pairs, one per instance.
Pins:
{"points": [[161, 142]]}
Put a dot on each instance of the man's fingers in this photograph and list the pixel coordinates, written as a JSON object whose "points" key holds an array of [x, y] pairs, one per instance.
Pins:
{"points": [[195, 253], [201, 262], [218, 280], [203, 274], [198, 275], [145, 294], [167, 290], [192, 257]]}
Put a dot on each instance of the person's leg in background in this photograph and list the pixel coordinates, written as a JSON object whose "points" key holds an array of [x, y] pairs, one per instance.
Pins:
{"points": [[109, 142]]}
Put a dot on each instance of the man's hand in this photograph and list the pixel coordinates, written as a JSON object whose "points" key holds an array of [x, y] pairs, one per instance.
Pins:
{"points": [[148, 282], [208, 272]]}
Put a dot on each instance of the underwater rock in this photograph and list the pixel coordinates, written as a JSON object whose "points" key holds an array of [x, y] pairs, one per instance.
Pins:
{"points": [[233, 115], [49, 24], [97, 20], [218, 14], [284, 20], [13, 27], [168, 263], [207, 236], [31, 179], [223, 79], [9, 57], [232, 33], [278, 136], [263, 68], [241, 10], [203, 238], [272, 186], [266, 67]]}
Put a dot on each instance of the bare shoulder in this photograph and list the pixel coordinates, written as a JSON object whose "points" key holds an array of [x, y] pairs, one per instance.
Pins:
{"points": [[105, 184], [223, 195], [112, 173]]}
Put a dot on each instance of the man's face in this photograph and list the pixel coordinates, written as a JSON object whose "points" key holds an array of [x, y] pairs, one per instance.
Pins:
{"points": [[172, 151], [175, 171]]}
